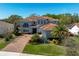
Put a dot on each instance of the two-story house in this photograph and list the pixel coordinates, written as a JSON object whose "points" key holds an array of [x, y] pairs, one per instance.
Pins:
{"points": [[33, 24]]}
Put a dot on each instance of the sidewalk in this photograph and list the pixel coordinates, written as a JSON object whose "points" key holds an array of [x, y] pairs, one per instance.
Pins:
{"points": [[3, 53]]}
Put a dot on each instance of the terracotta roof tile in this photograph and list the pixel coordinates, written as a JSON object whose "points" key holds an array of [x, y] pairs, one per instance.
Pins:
{"points": [[35, 18], [48, 26]]}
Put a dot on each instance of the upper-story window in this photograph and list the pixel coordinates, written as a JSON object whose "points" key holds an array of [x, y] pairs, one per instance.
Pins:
{"points": [[33, 23], [38, 21], [42, 21], [25, 25]]}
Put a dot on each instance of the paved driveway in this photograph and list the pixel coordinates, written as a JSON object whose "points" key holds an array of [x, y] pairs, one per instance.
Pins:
{"points": [[18, 44]]}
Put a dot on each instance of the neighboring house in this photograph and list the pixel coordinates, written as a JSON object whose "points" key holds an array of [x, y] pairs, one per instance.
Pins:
{"points": [[33, 24], [74, 28], [46, 30], [6, 28]]}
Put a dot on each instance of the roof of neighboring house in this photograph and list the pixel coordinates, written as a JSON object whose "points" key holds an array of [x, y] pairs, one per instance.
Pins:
{"points": [[4, 23], [35, 18], [6, 28], [72, 25], [48, 26], [77, 24]]}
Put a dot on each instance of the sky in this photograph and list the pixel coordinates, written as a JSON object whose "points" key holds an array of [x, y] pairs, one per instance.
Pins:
{"points": [[26, 9]]}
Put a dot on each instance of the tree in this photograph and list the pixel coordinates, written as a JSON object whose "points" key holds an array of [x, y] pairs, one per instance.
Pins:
{"points": [[65, 19], [14, 18], [72, 45], [33, 15], [53, 16], [75, 18], [60, 32]]}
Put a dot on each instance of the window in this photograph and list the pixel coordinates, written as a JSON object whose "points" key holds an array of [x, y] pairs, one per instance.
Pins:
{"points": [[38, 21], [44, 21], [25, 30], [41, 21], [25, 25]]}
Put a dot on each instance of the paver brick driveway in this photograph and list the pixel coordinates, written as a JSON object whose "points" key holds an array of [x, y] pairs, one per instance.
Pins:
{"points": [[18, 44]]}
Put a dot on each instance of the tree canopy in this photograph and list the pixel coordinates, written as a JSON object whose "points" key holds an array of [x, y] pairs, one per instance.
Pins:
{"points": [[60, 32], [13, 18], [66, 18]]}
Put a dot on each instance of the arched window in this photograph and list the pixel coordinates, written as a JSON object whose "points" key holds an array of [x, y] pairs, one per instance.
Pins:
{"points": [[25, 25]]}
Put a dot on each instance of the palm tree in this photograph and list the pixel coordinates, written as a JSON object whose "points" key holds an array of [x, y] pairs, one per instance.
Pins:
{"points": [[60, 32]]}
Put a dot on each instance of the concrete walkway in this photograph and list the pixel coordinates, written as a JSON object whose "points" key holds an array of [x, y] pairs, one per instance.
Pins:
{"points": [[18, 44]]}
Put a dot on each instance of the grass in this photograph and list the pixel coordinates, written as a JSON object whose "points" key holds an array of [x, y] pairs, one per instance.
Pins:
{"points": [[45, 49], [76, 39], [2, 43]]}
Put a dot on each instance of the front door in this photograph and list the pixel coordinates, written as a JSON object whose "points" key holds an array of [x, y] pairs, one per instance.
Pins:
{"points": [[34, 30]]}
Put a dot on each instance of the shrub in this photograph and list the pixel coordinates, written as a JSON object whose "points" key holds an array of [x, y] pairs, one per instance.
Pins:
{"points": [[54, 41], [42, 40], [35, 38], [9, 37], [1, 36], [72, 52], [16, 31], [17, 34]]}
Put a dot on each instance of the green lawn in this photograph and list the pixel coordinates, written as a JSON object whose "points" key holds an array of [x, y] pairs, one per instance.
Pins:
{"points": [[2, 43], [76, 39], [45, 49]]}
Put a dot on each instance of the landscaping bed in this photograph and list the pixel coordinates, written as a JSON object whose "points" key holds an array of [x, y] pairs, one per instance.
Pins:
{"points": [[45, 49], [6, 40]]}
